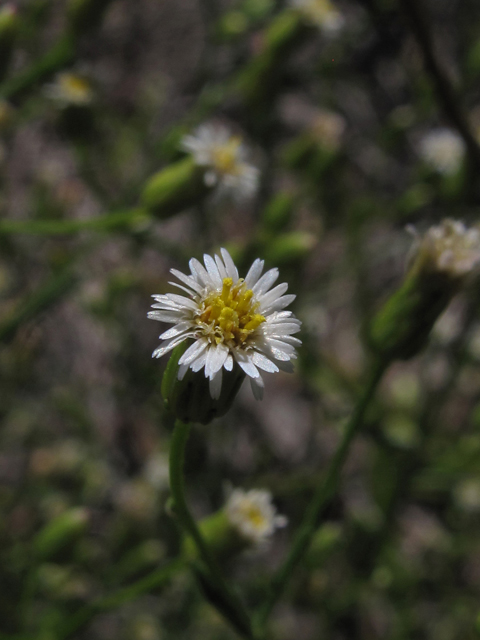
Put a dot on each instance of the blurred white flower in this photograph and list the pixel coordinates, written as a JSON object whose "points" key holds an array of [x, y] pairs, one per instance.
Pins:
{"points": [[231, 320], [70, 89], [449, 247], [225, 156], [443, 149], [253, 515], [328, 128], [321, 13]]}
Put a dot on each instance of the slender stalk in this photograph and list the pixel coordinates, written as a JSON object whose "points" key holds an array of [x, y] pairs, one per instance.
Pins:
{"points": [[228, 602], [449, 98], [319, 501], [155, 580]]}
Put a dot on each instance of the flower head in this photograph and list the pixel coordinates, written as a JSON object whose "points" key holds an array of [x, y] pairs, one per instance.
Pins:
{"points": [[253, 515], [224, 155], [321, 13], [450, 247], [232, 321], [443, 150], [70, 89]]}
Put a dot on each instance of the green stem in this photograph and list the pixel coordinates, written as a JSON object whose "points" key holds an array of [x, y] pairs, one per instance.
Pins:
{"points": [[321, 498], [155, 580], [224, 598]]}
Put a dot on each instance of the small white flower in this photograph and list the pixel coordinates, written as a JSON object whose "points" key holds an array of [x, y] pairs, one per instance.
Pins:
{"points": [[449, 247], [328, 128], [321, 13], [70, 89], [225, 156], [253, 515], [443, 150], [230, 320]]}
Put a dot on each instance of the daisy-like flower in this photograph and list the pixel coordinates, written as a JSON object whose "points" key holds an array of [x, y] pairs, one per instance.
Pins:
{"points": [[70, 89], [225, 157], [443, 150], [232, 321], [253, 515], [321, 13], [449, 247]]}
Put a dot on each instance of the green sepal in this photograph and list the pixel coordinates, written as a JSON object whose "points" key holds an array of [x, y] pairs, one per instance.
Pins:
{"points": [[189, 399], [223, 539], [174, 188]]}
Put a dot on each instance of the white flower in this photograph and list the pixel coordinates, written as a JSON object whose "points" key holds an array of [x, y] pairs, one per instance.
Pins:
{"points": [[70, 89], [443, 150], [230, 320], [321, 13], [253, 515], [449, 247], [225, 156]]}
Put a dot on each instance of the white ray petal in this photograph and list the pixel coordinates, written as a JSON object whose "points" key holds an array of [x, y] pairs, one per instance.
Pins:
{"points": [[278, 304], [265, 282], [285, 328], [212, 270], [258, 387], [180, 286], [182, 370], [246, 364], [165, 316], [200, 273], [193, 352], [181, 327], [216, 356], [199, 363], [263, 362], [221, 267], [215, 385], [166, 347], [270, 296], [254, 273], [230, 267], [228, 362], [188, 280]]}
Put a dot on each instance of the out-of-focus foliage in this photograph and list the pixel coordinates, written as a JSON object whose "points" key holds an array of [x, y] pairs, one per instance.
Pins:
{"points": [[359, 125]]}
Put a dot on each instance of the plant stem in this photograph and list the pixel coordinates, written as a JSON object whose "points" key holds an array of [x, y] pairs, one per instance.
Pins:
{"points": [[228, 603], [323, 494]]}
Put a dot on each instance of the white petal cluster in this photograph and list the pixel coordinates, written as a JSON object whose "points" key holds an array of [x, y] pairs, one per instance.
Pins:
{"points": [[253, 515], [450, 247], [229, 320], [225, 156], [321, 13], [443, 150]]}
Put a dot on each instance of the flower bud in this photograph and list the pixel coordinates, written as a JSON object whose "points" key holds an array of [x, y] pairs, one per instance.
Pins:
{"points": [[60, 531], [189, 399], [174, 188], [443, 258]]}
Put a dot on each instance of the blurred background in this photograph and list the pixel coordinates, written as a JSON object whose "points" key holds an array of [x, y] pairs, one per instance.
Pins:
{"points": [[362, 118]]}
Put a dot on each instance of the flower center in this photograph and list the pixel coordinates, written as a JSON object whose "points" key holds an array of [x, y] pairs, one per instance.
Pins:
{"points": [[230, 316], [225, 157], [75, 87], [253, 514]]}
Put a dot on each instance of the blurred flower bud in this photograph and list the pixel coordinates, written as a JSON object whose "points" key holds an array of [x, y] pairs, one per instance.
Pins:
{"points": [[174, 188], [189, 399], [60, 531], [443, 150], [442, 260], [290, 247]]}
